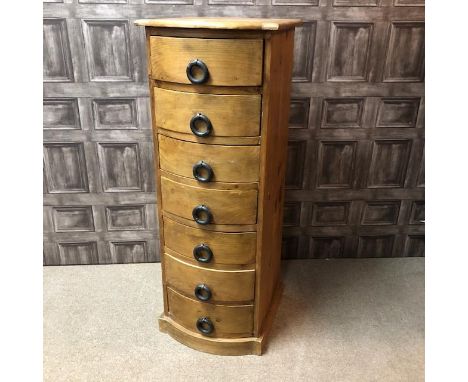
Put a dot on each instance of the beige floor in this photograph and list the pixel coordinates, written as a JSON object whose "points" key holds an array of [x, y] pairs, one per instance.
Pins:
{"points": [[339, 320]]}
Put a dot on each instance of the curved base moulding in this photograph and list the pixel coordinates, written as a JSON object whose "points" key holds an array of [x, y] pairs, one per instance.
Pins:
{"points": [[222, 346]]}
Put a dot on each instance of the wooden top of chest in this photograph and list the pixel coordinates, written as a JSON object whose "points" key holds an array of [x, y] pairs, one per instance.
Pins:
{"points": [[234, 23]]}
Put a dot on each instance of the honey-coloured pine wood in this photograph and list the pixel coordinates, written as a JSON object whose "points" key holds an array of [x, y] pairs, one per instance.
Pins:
{"points": [[227, 248], [231, 62], [229, 141], [245, 94], [231, 115], [278, 68], [218, 346], [232, 164], [222, 23], [225, 285], [223, 346], [229, 320], [226, 206], [233, 228]]}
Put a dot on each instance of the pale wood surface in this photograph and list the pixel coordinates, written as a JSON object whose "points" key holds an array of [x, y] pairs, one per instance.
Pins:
{"points": [[225, 286], [230, 115], [213, 227], [209, 185], [205, 89], [207, 33], [231, 141], [229, 163], [228, 320], [219, 346], [231, 62], [158, 205], [227, 206], [221, 23], [277, 79], [228, 248], [269, 318], [242, 173], [225, 267]]}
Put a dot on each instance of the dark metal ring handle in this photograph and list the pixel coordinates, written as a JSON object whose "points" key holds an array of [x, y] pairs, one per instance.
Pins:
{"points": [[204, 325], [199, 117], [199, 211], [202, 253], [201, 66], [202, 292], [198, 169]]}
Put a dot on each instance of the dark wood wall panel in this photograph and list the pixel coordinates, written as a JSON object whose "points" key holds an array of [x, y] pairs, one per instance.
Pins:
{"points": [[355, 172]]}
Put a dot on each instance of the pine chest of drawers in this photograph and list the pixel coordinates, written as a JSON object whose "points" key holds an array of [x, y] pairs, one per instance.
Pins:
{"points": [[220, 100]]}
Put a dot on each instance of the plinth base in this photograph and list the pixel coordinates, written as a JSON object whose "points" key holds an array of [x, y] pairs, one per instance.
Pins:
{"points": [[223, 346]]}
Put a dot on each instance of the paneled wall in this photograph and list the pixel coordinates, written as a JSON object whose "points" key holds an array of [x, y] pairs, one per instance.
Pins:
{"points": [[355, 178]]}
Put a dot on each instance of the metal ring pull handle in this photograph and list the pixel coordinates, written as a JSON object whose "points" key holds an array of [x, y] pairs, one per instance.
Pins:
{"points": [[202, 253], [202, 214], [204, 325], [202, 292], [195, 122], [201, 67], [202, 171]]}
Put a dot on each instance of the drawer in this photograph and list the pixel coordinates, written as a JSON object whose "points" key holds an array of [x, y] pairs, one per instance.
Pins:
{"points": [[224, 286], [225, 206], [228, 115], [225, 163], [225, 248], [225, 320], [229, 62]]}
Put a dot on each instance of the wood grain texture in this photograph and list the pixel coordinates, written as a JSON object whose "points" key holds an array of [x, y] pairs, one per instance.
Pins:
{"points": [[210, 265], [158, 188], [228, 320], [206, 89], [223, 346], [213, 227], [231, 141], [219, 346], [209, 185], [230, 115], [230, 62], [207, 33], [227, 248], [227, 206], [277, 73], [229, 163], [225, 285], [222, 23]]}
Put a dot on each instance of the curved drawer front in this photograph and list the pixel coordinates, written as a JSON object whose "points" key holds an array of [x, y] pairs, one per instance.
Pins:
{"points": [[230, 62], [227, 320], [226, 206], [230, 115], [226, 248], [226, 286], [229, 163]]}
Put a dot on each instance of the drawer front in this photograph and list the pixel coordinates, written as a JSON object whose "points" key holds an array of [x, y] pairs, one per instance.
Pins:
{"points": [[229, 115], [228, 163], [230, 62], [224, 286], [223, 248], [227, 320], [225, 206]]}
